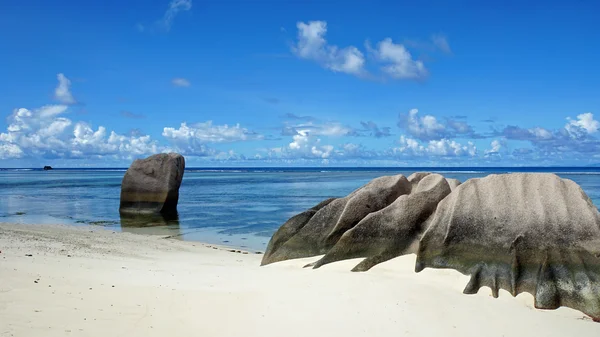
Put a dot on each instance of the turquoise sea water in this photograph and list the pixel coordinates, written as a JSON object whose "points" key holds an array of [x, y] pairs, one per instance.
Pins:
{"points": [[234, 207]]}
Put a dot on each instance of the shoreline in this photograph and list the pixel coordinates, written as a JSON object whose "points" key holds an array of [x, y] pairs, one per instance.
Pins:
{"points": [[62, 280], [209, 235]]}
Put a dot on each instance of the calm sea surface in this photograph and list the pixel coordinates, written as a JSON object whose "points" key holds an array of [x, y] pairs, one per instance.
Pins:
{"points": [[236, 207]]}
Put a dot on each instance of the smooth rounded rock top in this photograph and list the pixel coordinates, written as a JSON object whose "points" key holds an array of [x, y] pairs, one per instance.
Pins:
{"points": [[151, 185]]}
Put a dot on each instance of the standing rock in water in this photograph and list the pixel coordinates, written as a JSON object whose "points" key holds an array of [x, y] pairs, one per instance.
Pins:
{"points": [[151, 185]]}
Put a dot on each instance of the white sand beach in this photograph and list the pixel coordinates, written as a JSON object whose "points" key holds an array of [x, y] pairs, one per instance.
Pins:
{"points": [[87, 281]]}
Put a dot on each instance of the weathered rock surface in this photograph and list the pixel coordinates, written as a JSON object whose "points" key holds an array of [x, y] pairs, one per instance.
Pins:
{"points": [[151, 185], [534, 233], [388, 233], [315, 231]]}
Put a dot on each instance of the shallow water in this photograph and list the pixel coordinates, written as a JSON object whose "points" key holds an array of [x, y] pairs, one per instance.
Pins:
{"points": [[234, 207]]}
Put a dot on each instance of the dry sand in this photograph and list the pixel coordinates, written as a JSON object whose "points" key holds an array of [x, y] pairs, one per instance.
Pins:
{"points": [[89, 281]]}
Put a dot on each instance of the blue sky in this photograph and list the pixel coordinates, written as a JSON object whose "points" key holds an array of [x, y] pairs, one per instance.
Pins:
{"points": [[297, 83]]}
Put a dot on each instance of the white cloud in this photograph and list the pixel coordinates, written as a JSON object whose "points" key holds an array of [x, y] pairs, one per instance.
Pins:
{"points": [[88, 142], [38, 133], [577, 139], [62, 93], [445, 147], [36, 129], [442, 148], [318, 129], [426, 127], [55, 128], [306, 146], [44, 132], [312, 45], [397, 62], [496, 145], [585, 122], [409, 146], [10, 151], [208, 133], [180, 82], [400, 64], [540, 133], [175, 6], [192, 139]]}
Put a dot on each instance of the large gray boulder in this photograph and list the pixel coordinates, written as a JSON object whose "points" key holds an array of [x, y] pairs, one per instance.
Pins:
{"points": [[391, 231], [151, 185], [315, 231], [534, 233]]}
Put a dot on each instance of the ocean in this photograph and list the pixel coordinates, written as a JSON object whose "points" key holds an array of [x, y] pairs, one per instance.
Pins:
{"points": [[238, 207]]}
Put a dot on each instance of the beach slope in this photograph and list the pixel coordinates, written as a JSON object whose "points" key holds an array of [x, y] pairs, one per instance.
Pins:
{"points": [[87, 281]]}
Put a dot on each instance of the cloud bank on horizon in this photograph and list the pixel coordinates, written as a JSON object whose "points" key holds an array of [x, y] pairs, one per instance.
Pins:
{"points": [[326, 93], [45, 133]]}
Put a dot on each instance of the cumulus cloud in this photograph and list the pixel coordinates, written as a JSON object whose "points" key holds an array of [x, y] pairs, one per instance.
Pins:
{"points": [[45, 132], [425, 127], [89, 142], [395, 59], [10, 151], [309, 140], [62, 93], [306, 141], [193, 139], [494, 149], [305, 145], [582, 128], [180, 82], [577, 138], [208, 133], [317, 129], [584, 122], [312, 45], [398, 62], [441, 148], [310, 147], [41, 132], [428, 127]]}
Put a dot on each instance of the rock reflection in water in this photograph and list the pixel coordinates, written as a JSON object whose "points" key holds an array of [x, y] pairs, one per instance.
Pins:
{"points": [[152, 224]]}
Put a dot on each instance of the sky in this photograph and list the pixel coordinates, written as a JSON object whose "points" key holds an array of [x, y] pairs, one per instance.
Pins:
{"points": [[233, 83]]}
